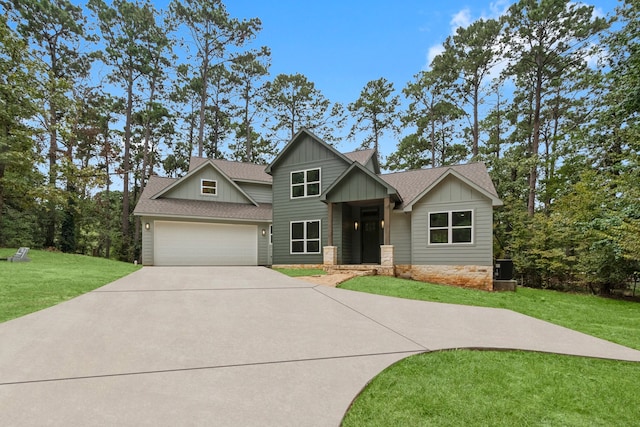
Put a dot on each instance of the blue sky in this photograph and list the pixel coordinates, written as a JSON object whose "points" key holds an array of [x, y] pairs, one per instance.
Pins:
{"points": [[340, 45]]}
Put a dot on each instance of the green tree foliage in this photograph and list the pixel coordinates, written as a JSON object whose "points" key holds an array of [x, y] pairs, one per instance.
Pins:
{"points": [[18, 103], [55, 30], [214, 32], [375, 112], [247, 75], [433, 113], [468, 57], [130, 40], [544, 41], [293, 102]]}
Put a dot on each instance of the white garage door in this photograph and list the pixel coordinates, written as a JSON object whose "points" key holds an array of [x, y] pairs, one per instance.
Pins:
{"points": [[194, 243]]}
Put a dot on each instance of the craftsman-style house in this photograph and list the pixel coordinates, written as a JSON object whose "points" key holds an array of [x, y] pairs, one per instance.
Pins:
{"points": [[316, 206]]}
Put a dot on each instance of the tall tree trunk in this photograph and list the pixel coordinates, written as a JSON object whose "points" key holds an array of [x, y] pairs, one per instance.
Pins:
{"points": [[247, 129], [126, 165], [535, 144], [50, 230], [2, 169], [498, 130], [203, 99], [108, 216], [433, 136], [476, 127]]}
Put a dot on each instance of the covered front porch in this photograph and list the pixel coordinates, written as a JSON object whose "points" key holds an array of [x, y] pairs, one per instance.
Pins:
{"points": [[359, 222]]}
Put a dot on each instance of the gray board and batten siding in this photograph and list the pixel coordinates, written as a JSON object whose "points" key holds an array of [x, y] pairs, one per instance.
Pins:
{"points": [[305, 153], [453, 195], [357, 186], [190, 188], [261, 193]]}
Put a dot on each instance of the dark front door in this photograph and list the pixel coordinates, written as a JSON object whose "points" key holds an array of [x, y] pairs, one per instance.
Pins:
{"points": [[370, 240]]}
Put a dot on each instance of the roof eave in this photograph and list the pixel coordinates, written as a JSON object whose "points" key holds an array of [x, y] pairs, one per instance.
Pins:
{"points": [[200, 217]]}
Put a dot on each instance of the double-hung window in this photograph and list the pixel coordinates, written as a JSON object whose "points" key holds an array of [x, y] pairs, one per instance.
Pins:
{"points": [[305, 237], [305, 183], [208, 187], [450, 227]]}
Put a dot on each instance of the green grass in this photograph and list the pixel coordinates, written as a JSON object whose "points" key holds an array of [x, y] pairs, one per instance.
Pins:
{"points": [[461, 387], [476, 388], [299, 272], [51, 278], [614, 320]]}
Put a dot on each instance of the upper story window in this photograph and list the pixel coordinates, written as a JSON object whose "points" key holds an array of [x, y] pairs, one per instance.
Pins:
{"points": [[450, 227], [305, 183], [208, 187]]}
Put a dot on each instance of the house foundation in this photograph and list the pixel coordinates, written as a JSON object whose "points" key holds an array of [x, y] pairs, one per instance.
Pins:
{"points": [[466, 276]]}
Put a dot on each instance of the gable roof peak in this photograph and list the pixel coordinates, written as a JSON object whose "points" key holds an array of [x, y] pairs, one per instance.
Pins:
{"points": [[414, 184], [301, 133]]}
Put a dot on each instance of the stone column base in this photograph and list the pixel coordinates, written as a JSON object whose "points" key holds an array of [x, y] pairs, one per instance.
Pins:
{"points": [[330, 255], [386, 255]]}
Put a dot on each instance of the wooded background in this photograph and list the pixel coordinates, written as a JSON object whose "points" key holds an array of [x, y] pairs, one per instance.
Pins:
{"points": [[548, 96]]}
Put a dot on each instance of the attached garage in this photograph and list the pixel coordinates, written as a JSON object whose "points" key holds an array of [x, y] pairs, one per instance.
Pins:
{"points": [[198, 243]]}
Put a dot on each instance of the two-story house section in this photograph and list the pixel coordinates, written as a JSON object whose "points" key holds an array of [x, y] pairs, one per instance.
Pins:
{"points": [[331, 208]]}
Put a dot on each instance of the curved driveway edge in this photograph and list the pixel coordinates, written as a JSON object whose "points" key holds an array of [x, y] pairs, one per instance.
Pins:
{"points": [[235, 346]]}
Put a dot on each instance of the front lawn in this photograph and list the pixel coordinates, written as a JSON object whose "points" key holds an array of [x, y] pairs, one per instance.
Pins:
{"points": [[488, 388], [50, 278], [461, 387]]}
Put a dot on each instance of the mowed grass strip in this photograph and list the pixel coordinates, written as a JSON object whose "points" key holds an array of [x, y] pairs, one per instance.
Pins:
{"points": [[300, 272], [50, 278], [488, 388], [614, 320]]}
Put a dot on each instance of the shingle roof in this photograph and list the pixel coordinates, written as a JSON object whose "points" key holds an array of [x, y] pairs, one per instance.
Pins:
{"points": [[238, 171], [196, 208], [413, 183], [360, 156]]}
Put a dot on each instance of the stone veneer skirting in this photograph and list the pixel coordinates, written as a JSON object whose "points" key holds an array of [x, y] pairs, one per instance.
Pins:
{"points": [[467, 276]]}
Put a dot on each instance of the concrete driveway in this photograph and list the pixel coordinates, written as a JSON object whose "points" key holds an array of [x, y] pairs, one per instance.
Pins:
{"points": [[230, 346]]}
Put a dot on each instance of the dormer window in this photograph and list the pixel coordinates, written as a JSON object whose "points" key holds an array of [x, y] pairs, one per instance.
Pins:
{"points": [[208, 187], [305, 183]]}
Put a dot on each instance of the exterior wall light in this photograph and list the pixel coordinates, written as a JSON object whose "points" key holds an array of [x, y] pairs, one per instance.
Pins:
{"points": [[355, 225], [147, 226], [264, 232], [382, 224]]}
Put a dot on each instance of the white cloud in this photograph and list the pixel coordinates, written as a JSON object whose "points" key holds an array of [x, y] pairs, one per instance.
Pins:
{"points": [[463, 19], [433, 52], [498, 8], [460, 19]]}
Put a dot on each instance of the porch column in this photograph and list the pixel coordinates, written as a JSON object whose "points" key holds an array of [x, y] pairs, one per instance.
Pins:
{"points": [[330, 225], [387, 223]]}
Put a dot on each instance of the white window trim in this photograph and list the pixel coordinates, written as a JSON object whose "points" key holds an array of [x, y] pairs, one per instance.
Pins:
{"points": [[305, 183], [305, 240], [450, 228], [271, 234], [202, 186]]}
